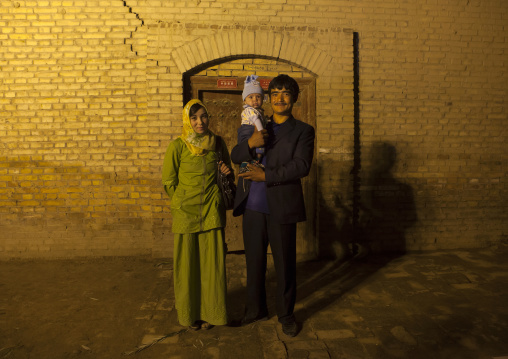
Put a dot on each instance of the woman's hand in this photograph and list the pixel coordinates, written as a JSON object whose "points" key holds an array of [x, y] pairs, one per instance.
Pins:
{"points": [[224, 169]]}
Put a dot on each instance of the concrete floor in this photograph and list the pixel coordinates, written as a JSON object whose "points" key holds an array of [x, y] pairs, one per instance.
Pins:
{"points": [[447, 304]]}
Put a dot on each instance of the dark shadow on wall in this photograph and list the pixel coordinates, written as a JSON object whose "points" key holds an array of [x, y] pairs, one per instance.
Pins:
{"points": [[356, 249], [386, 210], [336, 216], [387, 206]]}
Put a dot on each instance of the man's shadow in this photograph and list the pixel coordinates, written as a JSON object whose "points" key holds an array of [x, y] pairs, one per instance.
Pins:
{"points": [[387, 207], [371, 233]]}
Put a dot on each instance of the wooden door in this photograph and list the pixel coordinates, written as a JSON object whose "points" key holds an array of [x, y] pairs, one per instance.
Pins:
{"points": [[225, 107]]}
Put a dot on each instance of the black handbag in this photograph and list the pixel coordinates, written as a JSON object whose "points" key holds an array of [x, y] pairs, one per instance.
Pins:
{"points": [[226, 183]]}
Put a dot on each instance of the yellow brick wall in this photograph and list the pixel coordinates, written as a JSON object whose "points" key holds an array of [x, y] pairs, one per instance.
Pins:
{"points": [[91, 94]]}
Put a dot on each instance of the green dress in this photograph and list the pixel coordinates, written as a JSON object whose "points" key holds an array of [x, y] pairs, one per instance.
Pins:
{"points": [[199, 218]]}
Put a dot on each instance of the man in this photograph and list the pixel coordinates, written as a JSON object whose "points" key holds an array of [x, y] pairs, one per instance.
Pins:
{"points": [[270, 198]]}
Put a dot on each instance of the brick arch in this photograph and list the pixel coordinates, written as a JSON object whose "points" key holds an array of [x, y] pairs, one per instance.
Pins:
{"points": [[248, 44]]}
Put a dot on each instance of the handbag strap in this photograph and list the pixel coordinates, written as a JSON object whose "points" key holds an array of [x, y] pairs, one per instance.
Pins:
{"points": [[218, 147]]}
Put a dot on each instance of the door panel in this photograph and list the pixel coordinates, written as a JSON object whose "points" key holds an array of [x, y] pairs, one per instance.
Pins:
{"points": [[225, 107]]}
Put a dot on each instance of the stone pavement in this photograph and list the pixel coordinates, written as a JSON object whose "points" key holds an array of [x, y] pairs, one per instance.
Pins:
{"points": [[447, 304]]}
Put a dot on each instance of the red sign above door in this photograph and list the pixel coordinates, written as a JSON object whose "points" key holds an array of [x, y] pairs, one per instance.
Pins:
{"points": [[264, 83], [227, 83]]}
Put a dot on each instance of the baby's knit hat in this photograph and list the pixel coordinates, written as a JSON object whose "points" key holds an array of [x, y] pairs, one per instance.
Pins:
{"points": [[251, 86]]}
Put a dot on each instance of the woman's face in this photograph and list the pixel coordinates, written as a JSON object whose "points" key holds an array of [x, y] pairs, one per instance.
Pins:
{"points": [[199, 121]]}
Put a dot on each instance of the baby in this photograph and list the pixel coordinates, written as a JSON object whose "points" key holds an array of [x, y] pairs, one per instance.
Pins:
{"points": [[253, 114]]}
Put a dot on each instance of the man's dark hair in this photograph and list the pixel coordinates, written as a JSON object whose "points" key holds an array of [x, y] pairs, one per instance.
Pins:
{"points": [[287, 82]]}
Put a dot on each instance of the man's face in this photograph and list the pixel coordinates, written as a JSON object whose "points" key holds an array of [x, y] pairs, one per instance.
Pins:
{"points": [[282, 101]]}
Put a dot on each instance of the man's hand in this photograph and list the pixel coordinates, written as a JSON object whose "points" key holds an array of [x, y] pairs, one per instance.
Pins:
{"points": [[258, 138], [255, 173]]}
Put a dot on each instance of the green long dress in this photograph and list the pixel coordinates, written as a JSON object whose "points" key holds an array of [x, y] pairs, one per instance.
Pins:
{"points": [[199, 218]]}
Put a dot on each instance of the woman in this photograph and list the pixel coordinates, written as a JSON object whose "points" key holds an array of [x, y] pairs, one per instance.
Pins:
{"points": [[199, 218]]}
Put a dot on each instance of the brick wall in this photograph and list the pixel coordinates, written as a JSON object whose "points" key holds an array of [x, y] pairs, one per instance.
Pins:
{"points": [[91, 94]]}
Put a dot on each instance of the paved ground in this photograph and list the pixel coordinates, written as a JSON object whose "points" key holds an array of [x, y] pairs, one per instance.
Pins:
{"points": [[440, 305]]}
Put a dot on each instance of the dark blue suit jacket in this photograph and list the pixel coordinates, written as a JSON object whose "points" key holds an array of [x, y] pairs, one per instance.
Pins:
{"points": [[288, 159]]}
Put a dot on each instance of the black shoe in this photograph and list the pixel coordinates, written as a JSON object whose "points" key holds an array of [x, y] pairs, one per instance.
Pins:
{"points": [[290, 328], [247, 321]]}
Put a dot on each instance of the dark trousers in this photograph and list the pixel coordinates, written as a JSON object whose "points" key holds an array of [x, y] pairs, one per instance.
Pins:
{"points": [[258, 231]]}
